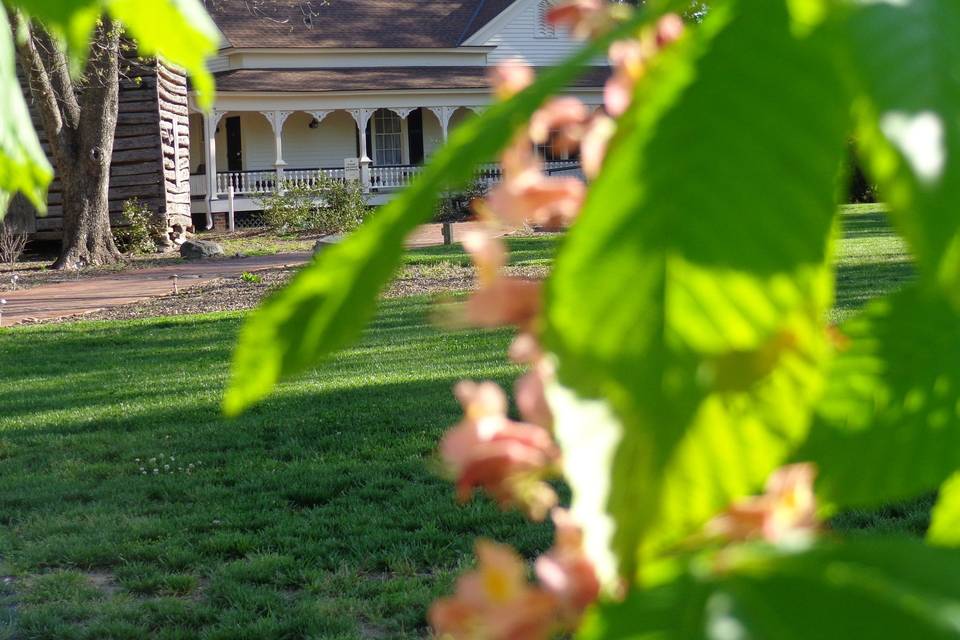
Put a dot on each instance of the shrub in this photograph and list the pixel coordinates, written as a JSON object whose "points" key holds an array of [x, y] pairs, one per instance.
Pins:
{"points": [[344, 207], [138, 231], [12, 243], [455, 205], [326, 206], [288, 209]]}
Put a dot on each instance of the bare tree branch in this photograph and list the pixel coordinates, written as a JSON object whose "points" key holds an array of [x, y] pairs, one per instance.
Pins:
{"points": [[43, 92], [58, 70]]}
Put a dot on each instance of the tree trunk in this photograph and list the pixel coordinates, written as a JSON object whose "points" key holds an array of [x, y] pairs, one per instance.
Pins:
{"points": [[80, 120], [87, 238]]}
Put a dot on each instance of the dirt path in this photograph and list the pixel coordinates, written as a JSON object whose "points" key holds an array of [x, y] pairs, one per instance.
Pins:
{"points": [[88, 295]]}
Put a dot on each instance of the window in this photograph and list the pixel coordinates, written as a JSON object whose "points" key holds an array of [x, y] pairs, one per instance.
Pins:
{"points": [[551, 152], [544, 28], [387, 138]]}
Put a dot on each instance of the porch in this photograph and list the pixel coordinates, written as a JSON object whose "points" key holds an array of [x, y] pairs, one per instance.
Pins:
{"points": [[237, 157]]}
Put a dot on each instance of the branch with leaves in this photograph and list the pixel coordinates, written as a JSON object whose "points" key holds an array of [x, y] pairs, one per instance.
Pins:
{"points": [[682, 377]]}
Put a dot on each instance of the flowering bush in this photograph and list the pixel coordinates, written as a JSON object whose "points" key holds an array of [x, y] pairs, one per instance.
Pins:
{"points": [[682, 378]]}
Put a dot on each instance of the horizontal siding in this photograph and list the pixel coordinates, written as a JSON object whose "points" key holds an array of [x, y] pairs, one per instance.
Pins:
{"points": [[326, 146], [197, 138], [136, 169], [517, 40]]}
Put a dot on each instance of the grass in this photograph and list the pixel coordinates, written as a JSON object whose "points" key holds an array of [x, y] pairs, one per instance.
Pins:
{"points": [[871, 260], [317, 515], [524, 251], [260, 242]]}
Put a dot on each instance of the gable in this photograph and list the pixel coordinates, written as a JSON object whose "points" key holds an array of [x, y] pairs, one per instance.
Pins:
{"points": [[520, 32]]}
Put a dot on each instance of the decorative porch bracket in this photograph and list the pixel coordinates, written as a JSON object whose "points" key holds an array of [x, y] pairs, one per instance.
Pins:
{"points": [[444, 114], [319, 116]]}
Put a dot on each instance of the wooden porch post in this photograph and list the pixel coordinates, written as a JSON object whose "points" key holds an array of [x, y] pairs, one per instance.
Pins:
{"points": [[211, 120], [277, 120], [362, 117]]}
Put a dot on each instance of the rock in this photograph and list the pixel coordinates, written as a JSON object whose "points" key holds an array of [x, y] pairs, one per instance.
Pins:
{"points": [[326, 241], [200, 249]]}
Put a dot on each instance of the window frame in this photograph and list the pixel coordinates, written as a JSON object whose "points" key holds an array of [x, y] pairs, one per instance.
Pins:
{"points": [[383, 139]]}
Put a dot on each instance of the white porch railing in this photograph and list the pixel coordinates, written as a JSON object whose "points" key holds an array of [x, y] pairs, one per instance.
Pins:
{"points": [[393, 177], [253, 183], [310, 177], [247, 182]]}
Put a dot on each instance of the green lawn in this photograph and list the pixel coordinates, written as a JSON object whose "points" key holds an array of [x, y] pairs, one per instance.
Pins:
{"points": [[317, 515]]}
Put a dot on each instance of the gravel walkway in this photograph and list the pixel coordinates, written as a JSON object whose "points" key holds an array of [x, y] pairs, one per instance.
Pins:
{"points": [[207, 285], [235, 294]]}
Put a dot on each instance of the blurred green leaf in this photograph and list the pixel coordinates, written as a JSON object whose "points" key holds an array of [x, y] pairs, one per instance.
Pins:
{"points": [[326, 306], [691, 292], [904, 58], [868, 588], [23, 165], [945, 522], [892, 401], [178, 31]]}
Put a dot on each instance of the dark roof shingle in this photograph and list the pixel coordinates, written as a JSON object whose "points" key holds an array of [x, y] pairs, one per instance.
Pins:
{"points": [[372, 79], [351, 24]]}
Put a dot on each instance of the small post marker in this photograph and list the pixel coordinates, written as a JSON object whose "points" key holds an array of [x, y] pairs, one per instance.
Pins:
{"points": [[176, 288], [447, 233], [2, 302]]}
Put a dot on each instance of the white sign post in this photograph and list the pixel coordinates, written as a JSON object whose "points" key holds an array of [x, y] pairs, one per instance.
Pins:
{"points": [[351, 169]]}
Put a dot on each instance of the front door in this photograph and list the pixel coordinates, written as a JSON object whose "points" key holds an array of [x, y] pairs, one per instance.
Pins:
{"points": [[415, 136], [234, 145]]}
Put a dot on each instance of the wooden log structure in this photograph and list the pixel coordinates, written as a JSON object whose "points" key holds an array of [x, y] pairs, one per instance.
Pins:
{"points": [[151, 152]]}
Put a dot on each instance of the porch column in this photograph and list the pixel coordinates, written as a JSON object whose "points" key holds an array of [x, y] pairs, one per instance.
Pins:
{"points": [[362, 117], [211, 120], [277, 120]]}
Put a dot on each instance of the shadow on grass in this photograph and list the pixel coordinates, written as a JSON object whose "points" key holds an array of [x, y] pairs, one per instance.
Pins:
{"points": [[859, 284], [866, 225]]}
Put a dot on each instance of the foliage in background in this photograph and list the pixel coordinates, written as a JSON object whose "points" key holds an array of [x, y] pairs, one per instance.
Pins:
{"points": [[684, 347], [322, 206], [454, 206], [862, 190], [180, 31], [137, 230]]}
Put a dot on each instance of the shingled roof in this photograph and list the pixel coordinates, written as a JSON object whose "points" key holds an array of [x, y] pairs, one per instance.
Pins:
{"points": [[373, 79], [351, 24]]}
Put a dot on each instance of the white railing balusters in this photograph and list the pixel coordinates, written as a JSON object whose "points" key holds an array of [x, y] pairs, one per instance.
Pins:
{"points": [[246, 183]]}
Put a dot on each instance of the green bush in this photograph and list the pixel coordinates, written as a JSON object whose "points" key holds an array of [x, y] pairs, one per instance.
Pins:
{"points": [[326, 206], [138, 231], [455, 205]]}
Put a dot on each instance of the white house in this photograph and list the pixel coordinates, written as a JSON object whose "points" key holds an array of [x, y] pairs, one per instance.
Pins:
{"points": [[307, 86]]}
